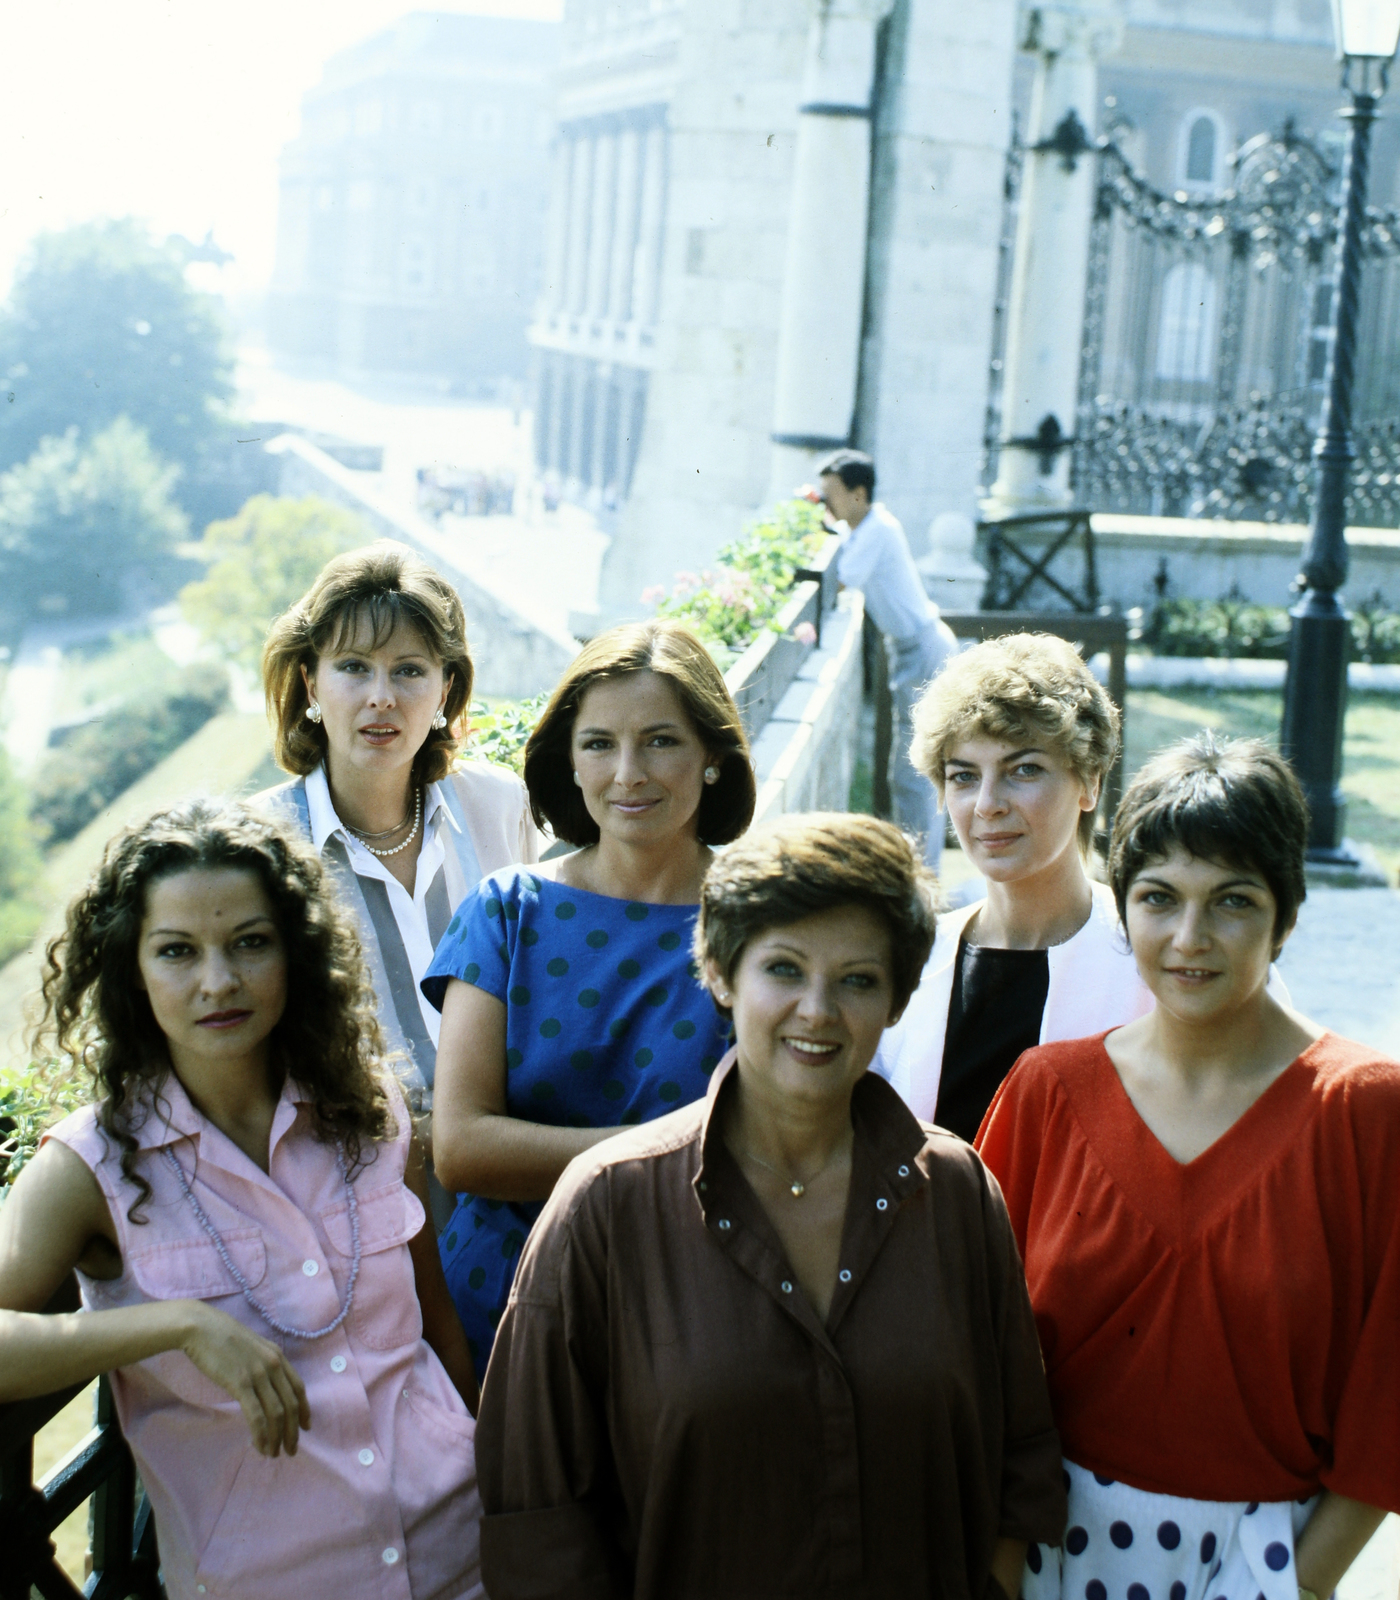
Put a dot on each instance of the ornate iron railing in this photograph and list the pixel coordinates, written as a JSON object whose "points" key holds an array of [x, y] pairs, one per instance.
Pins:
{"points": [[1206, 322]]}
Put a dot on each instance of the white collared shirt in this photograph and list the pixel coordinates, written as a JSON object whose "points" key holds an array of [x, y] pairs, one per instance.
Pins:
{"points": [[874, 558], [410, 911]]}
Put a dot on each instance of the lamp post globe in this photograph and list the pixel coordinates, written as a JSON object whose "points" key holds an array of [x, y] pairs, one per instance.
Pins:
{"points": [[1315, 693]]}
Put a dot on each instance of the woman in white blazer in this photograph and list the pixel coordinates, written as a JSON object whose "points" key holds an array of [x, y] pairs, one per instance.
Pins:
{"points": [[1017, 736]]}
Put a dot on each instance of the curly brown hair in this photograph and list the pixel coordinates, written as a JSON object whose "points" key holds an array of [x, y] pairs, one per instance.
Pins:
{"points": [[382, 585], [98, 1015]]}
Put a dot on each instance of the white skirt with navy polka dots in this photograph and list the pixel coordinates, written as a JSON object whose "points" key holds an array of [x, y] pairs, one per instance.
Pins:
{"points": [[1126, 1544]]}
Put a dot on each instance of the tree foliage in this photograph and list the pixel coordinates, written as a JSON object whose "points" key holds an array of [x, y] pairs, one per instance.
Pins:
{"points": [[102, 323], [77, 516], [104, 758], [265, 558]]}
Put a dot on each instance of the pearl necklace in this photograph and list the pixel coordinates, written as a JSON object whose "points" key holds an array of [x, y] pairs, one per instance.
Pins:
{"points": [[382, 854]]}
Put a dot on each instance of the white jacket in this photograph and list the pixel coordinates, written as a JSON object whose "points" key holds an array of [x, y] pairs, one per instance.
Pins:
{"points": [[1094, 986]]}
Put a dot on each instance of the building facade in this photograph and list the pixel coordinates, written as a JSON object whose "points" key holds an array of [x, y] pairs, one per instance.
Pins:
{"points": [[413, 203]]}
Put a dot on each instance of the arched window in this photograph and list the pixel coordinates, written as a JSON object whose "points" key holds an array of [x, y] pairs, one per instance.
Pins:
{"points": [[1186, 324], [1201, 149]]}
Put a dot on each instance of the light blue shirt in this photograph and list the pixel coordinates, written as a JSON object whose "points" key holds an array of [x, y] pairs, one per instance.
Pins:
{"points": [[874, 558]]}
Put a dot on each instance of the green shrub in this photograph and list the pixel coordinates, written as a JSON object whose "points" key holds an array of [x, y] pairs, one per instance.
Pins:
{"points": [[1234, 627], [498, 733], [728, 607], [1231, 626], [103, 759], [33, 1098]]}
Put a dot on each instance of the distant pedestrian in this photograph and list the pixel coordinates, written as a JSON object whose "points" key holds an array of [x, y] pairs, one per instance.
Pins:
{"points": [[1207, 1201], [875, 559]]}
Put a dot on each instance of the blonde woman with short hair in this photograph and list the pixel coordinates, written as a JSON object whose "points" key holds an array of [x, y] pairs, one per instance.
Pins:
{"points": [[1016, 736]]}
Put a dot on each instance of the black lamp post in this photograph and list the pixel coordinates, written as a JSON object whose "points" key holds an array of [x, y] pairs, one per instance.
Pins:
{"points": [[1319, 645]]}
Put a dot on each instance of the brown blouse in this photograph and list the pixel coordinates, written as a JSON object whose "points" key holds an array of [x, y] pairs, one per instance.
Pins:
{"points": [[665, 1418]]}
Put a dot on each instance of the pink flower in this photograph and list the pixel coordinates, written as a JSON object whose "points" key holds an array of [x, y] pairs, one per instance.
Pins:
{"points": [[654, 595], [805, 633]]}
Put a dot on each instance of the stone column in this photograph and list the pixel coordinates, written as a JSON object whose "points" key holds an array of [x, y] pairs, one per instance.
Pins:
{"points": [[625, 213], [580, 207], [824, 276], [1046, 314], [557, 245], [646, 274], [600, 239]]}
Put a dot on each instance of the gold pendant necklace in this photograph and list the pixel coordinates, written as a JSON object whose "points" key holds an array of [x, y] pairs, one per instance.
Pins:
{"points": [[795, 1187]]}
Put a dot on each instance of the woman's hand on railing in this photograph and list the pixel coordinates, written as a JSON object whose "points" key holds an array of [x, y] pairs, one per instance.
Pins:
{"points": [[253, 1371]]}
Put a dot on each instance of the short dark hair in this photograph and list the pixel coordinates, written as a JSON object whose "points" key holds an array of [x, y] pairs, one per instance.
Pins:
{"points": [[382, 585], [854, 468], [672, 651], [801, 865], [1234, 801]]}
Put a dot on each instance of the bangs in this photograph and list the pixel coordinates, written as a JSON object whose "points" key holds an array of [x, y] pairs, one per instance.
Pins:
{"points": [[379, 614]]}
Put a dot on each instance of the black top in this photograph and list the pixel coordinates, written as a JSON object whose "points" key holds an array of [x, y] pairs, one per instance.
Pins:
{"points": [[994, 1015]]}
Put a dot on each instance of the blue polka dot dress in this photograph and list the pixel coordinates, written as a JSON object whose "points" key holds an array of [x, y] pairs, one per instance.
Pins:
{"points": [[605, 1026]]}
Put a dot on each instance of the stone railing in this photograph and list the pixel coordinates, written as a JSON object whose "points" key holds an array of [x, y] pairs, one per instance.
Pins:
{"points": [[800, 696]]}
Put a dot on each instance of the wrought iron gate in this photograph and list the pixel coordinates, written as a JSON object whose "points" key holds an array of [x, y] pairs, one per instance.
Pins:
{"points": [[1205, 341]]}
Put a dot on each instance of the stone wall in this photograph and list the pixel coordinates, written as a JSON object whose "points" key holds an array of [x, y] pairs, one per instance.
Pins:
{"points": [[943, 123], [806, 754], [514, 657], [1205, 558]]}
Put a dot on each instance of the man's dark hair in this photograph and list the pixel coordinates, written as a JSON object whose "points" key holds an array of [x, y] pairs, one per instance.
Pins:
{"points": [[1232, 801], [854, 468]]}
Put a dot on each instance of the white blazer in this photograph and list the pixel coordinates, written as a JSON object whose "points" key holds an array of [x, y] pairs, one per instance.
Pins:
{"points": [[1094, 986]]}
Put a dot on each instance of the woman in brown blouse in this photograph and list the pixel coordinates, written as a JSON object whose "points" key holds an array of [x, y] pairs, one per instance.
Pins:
{"points": [[778, 1342]]}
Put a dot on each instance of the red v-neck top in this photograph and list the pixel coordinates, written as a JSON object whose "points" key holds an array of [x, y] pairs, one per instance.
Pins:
{"points": [[1228, 1329]]}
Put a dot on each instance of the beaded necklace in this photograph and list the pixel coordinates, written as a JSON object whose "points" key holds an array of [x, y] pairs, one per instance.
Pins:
{"points": [[364, 838], [242, 1282]]}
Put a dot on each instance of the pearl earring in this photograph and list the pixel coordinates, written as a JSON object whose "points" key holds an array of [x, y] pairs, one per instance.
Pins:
{"points": [[711, 774], [578, 780], [313, 712], [440, 721]]}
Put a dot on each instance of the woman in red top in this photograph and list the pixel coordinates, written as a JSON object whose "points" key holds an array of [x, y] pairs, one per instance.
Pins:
{"points": [[1207, 1202]]}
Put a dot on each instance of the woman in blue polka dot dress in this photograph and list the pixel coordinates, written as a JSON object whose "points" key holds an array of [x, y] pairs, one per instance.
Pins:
{"points": [[570, 1006]]}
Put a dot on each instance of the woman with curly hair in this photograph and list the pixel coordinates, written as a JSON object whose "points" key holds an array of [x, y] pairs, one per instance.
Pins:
{"points": [[244, 1205]]}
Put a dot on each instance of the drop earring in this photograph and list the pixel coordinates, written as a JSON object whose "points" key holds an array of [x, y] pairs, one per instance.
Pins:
{"points": [[711, 774], [440, 721], [578, 780], [313, 712]]}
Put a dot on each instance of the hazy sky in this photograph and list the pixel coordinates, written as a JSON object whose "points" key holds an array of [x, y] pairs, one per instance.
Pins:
{"points": [[173, 110]]}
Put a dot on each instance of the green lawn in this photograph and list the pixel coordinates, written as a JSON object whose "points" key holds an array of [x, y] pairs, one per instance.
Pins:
{"points": [[1371, 751]]}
